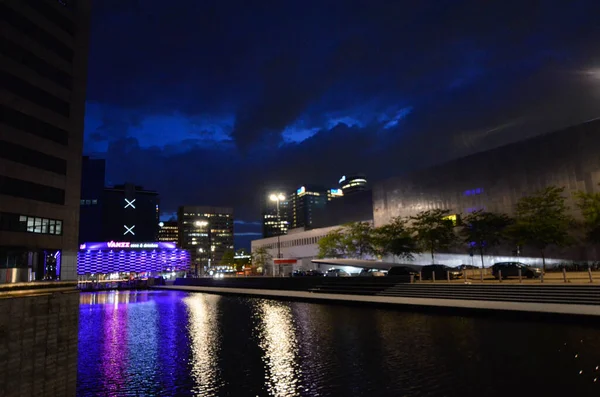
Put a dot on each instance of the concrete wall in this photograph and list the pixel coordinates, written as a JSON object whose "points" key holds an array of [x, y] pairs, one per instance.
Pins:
{"points": [[38, 345]]}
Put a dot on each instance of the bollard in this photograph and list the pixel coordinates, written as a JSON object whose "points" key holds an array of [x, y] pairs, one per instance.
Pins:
{"points": [[433, 276], [448, 275], [500, 275], [590, 274], [420, 275], [564, 274], [412, 278], [466, 275], [520, 276]]}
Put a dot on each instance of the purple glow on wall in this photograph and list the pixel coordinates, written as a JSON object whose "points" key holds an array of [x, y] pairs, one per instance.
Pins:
{"points": [[111, 261], [126, 245]]}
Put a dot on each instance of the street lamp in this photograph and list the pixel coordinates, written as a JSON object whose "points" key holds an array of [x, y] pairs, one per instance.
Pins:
{"points": [[278, 198]]}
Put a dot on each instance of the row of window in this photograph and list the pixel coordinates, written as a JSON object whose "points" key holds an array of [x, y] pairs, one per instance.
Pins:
{"points": [[34, 94], [53, 15], [32, 191], [294, 243], [33, 62], [29, 224], [89, 202], [21, 154], [32, 125], [36, 33]]}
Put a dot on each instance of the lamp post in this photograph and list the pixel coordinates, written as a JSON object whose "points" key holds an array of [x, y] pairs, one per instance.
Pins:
{"points": [[278, 198]]}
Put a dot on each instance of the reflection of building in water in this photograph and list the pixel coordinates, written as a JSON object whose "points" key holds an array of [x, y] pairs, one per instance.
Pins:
{"points": [[278, 340], [124, 257]]}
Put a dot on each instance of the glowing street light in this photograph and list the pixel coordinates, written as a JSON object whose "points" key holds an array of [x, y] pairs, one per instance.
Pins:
{"points": [[278, 198]]}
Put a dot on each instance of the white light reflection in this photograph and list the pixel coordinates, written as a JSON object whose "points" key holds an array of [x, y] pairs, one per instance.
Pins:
{"points": [[204, 335], [278, 341]]}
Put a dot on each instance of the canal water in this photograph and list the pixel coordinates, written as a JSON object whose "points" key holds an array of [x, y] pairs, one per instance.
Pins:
{"points": [[168, 343]]}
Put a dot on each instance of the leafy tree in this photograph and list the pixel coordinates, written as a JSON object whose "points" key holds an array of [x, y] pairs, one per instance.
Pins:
{"points": [[483, 231], [358, 239], [395, 239], [242, 259], [227, 258], [333, 244], [542, 220], [433, 230], [260, 257], [589, 206]]}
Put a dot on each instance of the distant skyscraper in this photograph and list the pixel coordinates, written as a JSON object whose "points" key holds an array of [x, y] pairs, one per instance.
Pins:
{"points": [[207, 232], [93, 173], [353, 183], [168, 232], [304, 201], [274, 225], [43, 76], [130, 213]]}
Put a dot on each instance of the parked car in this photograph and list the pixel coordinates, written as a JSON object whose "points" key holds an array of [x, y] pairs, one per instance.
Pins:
{"points": [[402, 271], [372, 273], [440, 271], [307, 273], [511, 269], [336, 273]]}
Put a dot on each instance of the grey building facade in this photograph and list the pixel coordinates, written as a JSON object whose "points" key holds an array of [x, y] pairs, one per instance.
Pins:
{"points": [[495, 180], [43, 76]]}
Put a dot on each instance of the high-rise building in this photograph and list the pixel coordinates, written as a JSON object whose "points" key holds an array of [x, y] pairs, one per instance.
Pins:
{"points": [[130, 213], [304, 202], [351, 184], [93, 173], [168, 232], [43, 75], [275, 215], [207, 232]]}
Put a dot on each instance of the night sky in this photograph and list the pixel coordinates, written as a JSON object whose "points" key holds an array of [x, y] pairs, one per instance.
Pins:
{"points": [[211, 102]]}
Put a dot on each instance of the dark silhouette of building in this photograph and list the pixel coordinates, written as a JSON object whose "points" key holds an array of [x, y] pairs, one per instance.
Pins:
{"points": [[43, 77], [168, 232], [275, 222], [356, 207], [304, 202], [206, 232], [93, 172], [353, 183], [130, 213]]}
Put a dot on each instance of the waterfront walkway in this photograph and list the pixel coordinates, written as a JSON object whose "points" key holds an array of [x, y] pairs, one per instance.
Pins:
{"points": [[581, 303]]}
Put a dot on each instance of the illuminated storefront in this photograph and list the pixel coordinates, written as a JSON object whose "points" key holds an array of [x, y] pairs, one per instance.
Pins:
{"points": [[131, 257]]}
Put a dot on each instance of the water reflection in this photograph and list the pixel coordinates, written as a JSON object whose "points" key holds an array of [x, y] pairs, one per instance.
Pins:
{"points": [[277, 338], [205, 343], [114, 355]]}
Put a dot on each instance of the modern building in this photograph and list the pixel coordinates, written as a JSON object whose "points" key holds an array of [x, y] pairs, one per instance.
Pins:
{"points": [[354, 183], [43, 75], [275, 214], [304, 202], [355, 207], [93, 173], [117, 259], [207, 232], [495, 180], [168, 232], [130, 213]]}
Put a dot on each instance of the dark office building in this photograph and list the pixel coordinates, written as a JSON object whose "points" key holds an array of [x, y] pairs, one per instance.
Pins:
{"points": [[356, 207], [93, 172], [206, 232], [304, 202], [43, 75], [168, 232], [130, 213], [354, 183], [275, 221]]}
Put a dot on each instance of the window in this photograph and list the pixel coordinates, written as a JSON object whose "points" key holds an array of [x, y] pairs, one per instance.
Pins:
{"points": [[33, 158], [94, 202], [33, 62], [58, 228], [29, 190], [38, 225], [34, 94], [30, 224], [44, 38], [88, 202], [52, 226], [45, 226], [23, 122]]}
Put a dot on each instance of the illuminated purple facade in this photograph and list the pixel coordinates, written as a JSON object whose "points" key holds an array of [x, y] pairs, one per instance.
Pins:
{"points": [[125, 257]]}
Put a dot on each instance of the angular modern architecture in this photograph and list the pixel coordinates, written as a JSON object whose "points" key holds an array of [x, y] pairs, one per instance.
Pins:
{"points": [[43, 74], [130, 213], [354, 183], [207, 232]]}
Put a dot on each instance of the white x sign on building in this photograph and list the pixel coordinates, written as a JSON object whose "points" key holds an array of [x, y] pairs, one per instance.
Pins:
{"points": [[129, 203], [128, 230]]}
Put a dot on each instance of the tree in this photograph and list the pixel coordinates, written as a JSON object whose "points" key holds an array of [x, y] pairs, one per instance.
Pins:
{"points": [[589, 206], [332, 245], [358, 239], [260, 257], [227, 258], [483, 231], [395, 239], [241, 259], [542, 220], [433, 230]]}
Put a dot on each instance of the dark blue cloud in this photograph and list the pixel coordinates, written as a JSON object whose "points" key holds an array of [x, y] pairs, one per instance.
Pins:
{"points": [[214, 102]]}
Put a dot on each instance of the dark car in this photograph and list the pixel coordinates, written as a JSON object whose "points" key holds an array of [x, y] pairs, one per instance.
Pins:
{"points": [[511, 269], [402, 271], [337, 273], [441, 272], [307, 273]]}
